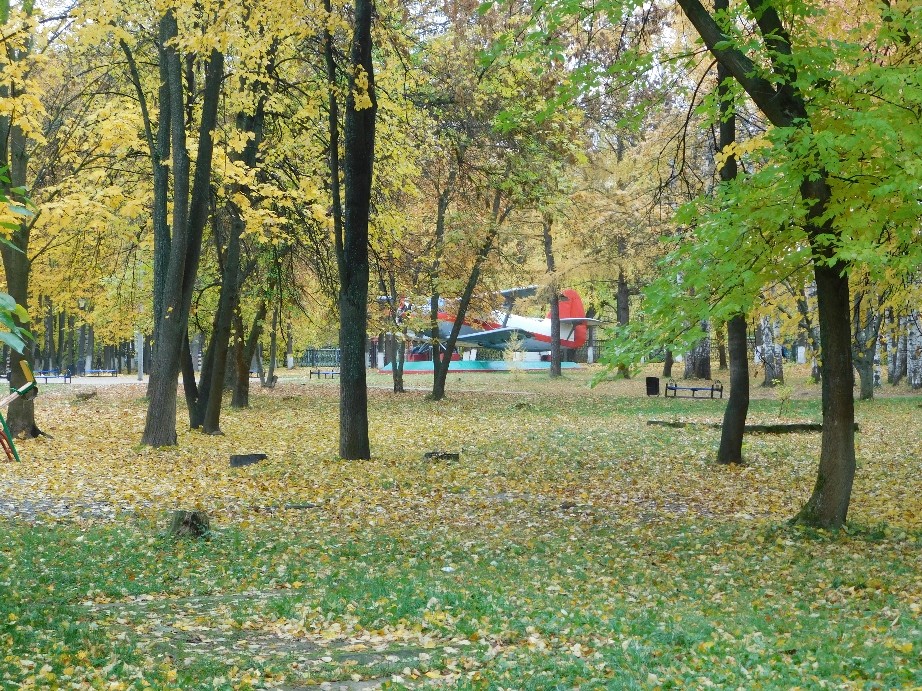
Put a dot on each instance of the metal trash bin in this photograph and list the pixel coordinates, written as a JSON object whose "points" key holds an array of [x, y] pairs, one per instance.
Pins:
{"points": [[653, 386]]}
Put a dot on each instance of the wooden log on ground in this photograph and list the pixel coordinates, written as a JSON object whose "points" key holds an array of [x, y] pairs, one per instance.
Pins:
{"points": [[775, 428]]}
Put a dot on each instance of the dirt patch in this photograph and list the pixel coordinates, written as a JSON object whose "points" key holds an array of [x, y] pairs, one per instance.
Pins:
{"points": [[237, 630]]}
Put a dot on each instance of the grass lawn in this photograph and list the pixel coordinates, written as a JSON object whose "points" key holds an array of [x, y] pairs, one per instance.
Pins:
{"points": [[572, 545]]}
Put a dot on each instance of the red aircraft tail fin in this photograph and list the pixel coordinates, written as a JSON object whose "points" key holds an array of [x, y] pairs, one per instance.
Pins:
{"points": [[571, 307]]}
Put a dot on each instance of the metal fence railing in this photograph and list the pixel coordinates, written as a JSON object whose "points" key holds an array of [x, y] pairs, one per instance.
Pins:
{"points": [[320, 357]]}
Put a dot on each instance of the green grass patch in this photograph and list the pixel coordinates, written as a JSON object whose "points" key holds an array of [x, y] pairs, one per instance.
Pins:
{"points": [[570, 546]]}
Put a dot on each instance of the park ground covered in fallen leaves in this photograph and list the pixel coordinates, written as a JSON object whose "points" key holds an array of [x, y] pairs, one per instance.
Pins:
{"points": [[571, 545]]}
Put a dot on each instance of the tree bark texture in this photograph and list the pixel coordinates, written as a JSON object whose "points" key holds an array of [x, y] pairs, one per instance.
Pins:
{"points": [[770, 354], [554, 290], [698, 359], [269, 381], [400, 358], [190, 212], [20, 417], [358, 166], [623, 305], [894, 340], [896, 355], [159, 149], [913, 355], [396, 345], [442, 362], [441, 210], [828, 505], [187, 369], [811, 331], [867, 318], [734, 422], [243, 355], [667, 364], [214, 375], [17, 267], [720, 335], [781, 102]]}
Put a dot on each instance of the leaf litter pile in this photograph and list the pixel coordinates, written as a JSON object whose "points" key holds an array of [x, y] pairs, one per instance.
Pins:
{"points": [[570, 545]]}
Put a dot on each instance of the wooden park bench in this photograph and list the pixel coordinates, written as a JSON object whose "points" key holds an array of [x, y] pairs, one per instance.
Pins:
{"points": [[674, 390], [325, 373], [101, 372]]}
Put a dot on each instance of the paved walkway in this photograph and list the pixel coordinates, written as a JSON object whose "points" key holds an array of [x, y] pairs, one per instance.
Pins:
{"points": [[100, 381]]}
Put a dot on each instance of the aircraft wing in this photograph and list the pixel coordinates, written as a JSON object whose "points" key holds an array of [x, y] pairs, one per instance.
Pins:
{"points": [[576, 321], [511, 294], [494, 338]]}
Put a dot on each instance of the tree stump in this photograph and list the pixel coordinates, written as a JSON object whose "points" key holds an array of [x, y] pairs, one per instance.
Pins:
{"points": [[192, 524], [241, 459]]}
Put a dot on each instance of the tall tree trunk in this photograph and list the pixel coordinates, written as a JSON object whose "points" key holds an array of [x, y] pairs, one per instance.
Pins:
{"points": [[623, 305], [734, 421], [90, 350], [866, 333], [190, 212], [258, 360], [812, 332], [667, 364], [897, 360], [220, 338], [720, 335], [698, 359], [189, 386], [771, 354], [71, 344], [914, 351], [864, 366], [554, 291], [289, 345], [17, 266], [253, 125], [20, 417], [61, 363], [269, 381], [244, 355], [159, 149], [397, 344], [438, 247], [49, 335], [442, 362], [400, 357], [781, 101], [352, 247], [79, 367], [828, 504]]}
